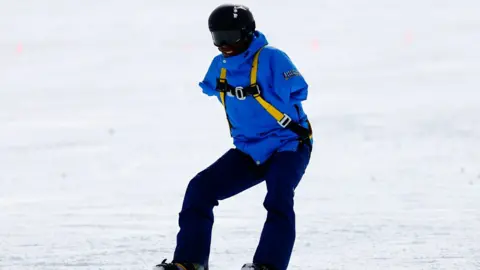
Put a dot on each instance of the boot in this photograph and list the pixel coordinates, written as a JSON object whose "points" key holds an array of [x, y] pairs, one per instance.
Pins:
{"points": [[255, 266], [178, 266]]}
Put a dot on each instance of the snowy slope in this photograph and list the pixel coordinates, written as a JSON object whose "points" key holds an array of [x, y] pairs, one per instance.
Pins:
{"points": [[102, 124]]}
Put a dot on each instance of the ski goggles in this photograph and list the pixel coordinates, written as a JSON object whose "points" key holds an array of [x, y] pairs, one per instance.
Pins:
{"points": [[226, 37]]}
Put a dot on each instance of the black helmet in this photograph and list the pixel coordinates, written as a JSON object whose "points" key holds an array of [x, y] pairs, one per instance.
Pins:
{"points": [[230, 24]]}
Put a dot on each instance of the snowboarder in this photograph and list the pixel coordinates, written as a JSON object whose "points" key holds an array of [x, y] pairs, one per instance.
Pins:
{"points": [[262, 93]]}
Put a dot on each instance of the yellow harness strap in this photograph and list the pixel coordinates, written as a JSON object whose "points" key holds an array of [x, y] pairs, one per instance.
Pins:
{"points": [[223, 77], [282, 119], [253, 81]]}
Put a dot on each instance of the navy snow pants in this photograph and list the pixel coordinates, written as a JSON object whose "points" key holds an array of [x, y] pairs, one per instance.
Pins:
{"points": [[231, 174]]}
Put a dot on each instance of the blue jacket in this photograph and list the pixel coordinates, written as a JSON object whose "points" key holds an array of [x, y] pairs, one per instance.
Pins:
{"points": [[254, 130]]}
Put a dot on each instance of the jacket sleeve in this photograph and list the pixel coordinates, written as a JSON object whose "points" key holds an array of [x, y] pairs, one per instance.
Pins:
{"points": [[288, 82], [209, 82]]}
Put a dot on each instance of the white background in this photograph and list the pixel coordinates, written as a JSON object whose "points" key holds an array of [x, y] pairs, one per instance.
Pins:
{"points": [[102, 125]]}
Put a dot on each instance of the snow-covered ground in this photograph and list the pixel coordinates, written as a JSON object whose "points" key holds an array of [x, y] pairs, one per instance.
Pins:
{"points": [[102, 125]]}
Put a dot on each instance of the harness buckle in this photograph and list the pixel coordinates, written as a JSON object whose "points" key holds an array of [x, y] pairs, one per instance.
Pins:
{"points": [[239, 93], [258, 90], [284, 121]]}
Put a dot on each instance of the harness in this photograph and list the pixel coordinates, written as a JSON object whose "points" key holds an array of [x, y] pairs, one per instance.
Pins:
{"points": [[254, 90]]}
